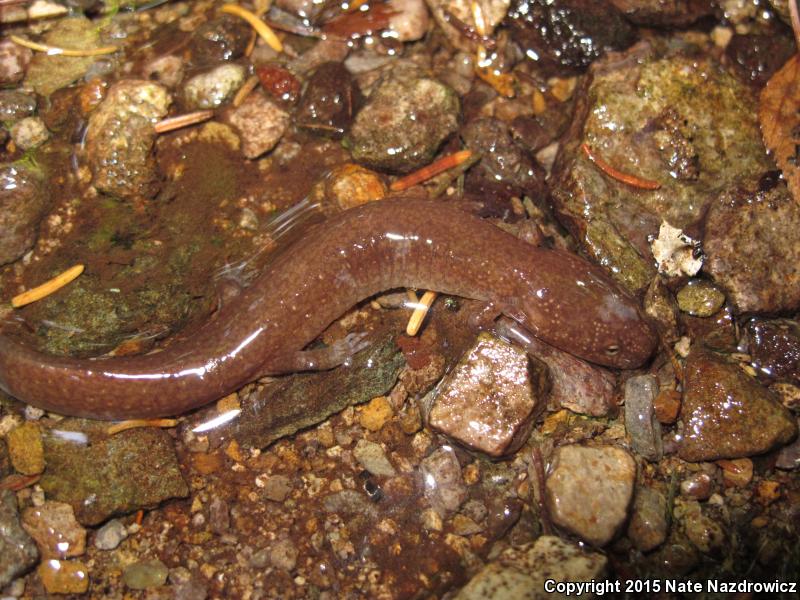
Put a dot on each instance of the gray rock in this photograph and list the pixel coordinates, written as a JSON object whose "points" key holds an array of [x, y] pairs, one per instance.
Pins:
{"points": [[490, 399], [145, 574], [23, 202], [213, 88], [120, 137], [277, 488], [372, 457], [110, 535], [728, 414], [17, 549], [260, 124], [441, 475], [648, 526], [521, 573], [752, 241], [30, 132], [219, 516], [405, 120], [640, 417], [589, 490], [283, 555]]}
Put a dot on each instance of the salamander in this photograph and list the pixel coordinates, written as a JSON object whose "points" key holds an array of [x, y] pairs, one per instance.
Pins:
{"points": [[557, 296]]}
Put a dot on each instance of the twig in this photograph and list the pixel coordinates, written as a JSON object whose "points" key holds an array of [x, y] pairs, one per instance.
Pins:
{"points": [[55, 50], [47, 288], [261, 28], [631, 180], [180, 121], [438, 166]]}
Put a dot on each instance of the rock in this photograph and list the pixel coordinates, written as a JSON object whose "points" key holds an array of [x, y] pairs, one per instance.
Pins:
{"points": [[372, 457], [589, 490], [277, 488], [726, 413], [520, 573], [221, 39], [375, 414], [667, 405], [17, 549], [120, 137], [165, 69], [700, 298], [110, 535], [410, 21], [752, 243], [23, 201], [186, 586], [444, 486], [707, 535], [352, 185], [774, 348], [491, 398], [736, 473], [116, 475], [219, 516], [561, 35], [213, 88], [664, 13], [329, 102], [648, 526], [756, 56], [145, 574], [283, 555], [789, 456], [405, 120], [25, 448], [14, 60], [492, 11], [641, 422], [259, 122], [29, 133], [57, 533], [16, 105], [64, 576], [649, 112], [50, 72]]}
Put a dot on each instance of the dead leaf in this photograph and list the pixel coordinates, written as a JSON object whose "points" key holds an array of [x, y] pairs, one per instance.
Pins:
{"points": [[779, 115]]}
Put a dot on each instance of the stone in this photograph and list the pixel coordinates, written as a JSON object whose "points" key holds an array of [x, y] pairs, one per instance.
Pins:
{"points": [[752, 243], [283, 555], [145, 574], [774, 348], [330, 101], [641, 422], [373, 458], [64, 576], [277, 488], [213, 88], [259, 122], [25, 448], [29, 133], [728, 414], [648, 526], [705, 533], [16, 105], [589, 490], [520, 573], [700, 298], [17, 549], [491, 398], [14, 60], [110, 535], [57, 533], [442, 480], [23, 202], [698, 486]]}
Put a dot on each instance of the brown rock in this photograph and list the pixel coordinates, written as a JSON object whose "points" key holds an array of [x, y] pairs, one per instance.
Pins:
{"points": [[25, 448], [260, 124], [55, 529]]}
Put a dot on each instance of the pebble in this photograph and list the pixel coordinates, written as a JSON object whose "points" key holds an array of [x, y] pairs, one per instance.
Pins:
{"points": [[728, 414], [491, 398], [17, 549], [213, 88], [55, 529], [667, 405], [648, 526], [700, 298], [259, 122], [145, 574], [441, 476], [64, 576], [520, 573], [29, 133], [110, 535], [374, 415], [26, 449], [219, 516], [373, 458], [283, 555], [705, 533], [736, 473], [589, 490], [277, 487], [14, 61], [641, 422], [698, 486]]}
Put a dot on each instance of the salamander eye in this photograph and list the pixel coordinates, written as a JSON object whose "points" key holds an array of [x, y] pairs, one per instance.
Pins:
{"points": [[612, 350]]}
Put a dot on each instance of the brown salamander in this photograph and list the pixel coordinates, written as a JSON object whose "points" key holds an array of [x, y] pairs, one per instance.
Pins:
{"points": [[557, 296]]}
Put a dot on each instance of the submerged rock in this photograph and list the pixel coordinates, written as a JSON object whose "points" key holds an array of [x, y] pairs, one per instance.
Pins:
{"points": [[55, 530], [774, 347], [728, 414], [520, 573], [14, 60], [17, 550], [213, 88], [260, 124], [444, 485], [23, 202], [64, 576], [120, 137], [491, 398], [641, 422], [25, 448], [330, 101], [700, 298], [145, 574], [648, 526], [404, 121], [111, 476], [664, 13], [589, 490], [664, 114], [16, 105]]}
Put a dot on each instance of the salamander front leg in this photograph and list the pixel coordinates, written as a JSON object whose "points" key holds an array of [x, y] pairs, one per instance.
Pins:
{"points": [[320, 359]]}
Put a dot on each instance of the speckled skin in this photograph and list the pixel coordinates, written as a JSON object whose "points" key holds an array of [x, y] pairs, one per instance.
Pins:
{"points": [[395, 243]]}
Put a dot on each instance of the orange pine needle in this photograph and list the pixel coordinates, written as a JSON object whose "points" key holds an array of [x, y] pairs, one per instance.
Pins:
{"points": [[626, 178], [438, 166], [137, 423], [180, 121], [47, 288]]}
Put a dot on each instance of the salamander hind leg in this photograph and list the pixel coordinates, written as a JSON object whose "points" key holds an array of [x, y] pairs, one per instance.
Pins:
{"points": [[320, 359]]}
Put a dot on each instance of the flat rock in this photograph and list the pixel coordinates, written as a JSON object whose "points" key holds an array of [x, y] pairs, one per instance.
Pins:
{"points": [[641, 422], [491, 398], [589, 490], [113, 475], [728, 414], [17, 549], [752, 243], [520, 573], [666, 114]]}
